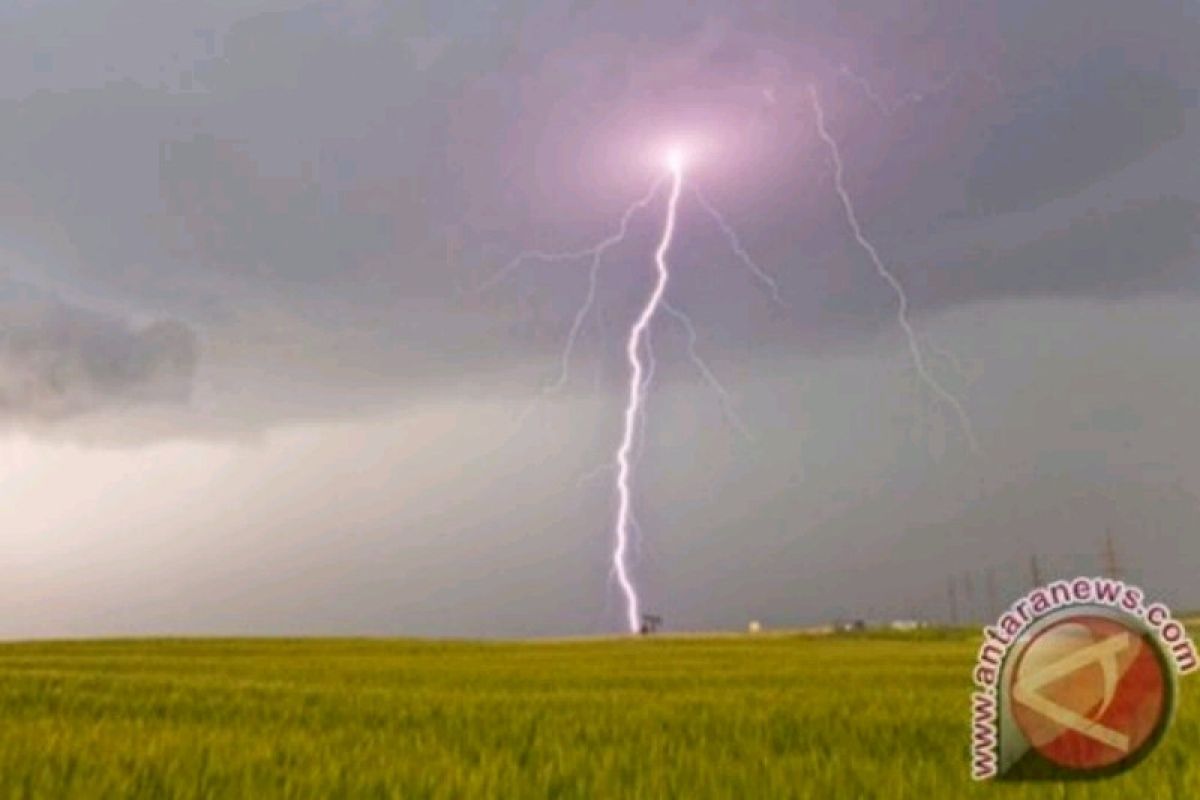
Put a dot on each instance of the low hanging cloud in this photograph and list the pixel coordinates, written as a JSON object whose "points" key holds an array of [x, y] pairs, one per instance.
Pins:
{"points": [[1141, 246], [59, 360]]}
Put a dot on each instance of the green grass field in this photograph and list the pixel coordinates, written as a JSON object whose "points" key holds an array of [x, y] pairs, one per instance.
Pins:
{"points": [[739, 717]]}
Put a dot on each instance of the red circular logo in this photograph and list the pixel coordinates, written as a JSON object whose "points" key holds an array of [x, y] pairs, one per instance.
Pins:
{"points": [[1090, 692]]}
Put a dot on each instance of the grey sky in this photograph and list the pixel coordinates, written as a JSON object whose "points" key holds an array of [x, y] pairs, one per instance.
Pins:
{"points": [[251, 382]]}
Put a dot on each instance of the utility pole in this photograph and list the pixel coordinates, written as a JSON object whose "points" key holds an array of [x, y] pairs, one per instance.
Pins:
{"points": [[991, 593], [1111, 568], [953, 601], [968, 596], [1035, 574]]}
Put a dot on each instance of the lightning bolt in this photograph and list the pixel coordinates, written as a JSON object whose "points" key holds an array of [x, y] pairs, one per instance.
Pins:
{"points": [[634, 404], [706, 371], [647, 382], [912, 98], [736, 245], [596, 254], [918, 357], [639, 350], [907, 99]]}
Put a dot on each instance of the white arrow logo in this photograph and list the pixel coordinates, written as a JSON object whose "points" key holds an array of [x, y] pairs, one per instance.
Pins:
{"points": [[1104, 653]]}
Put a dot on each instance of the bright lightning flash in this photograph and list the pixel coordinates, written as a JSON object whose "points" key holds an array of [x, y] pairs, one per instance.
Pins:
{"points": [[633, 406], [674, 160]]}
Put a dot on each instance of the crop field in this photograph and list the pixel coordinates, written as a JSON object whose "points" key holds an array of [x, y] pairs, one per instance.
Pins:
{"points": [[688, 717]]}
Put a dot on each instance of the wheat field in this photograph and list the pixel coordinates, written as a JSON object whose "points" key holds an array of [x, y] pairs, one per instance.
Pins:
{"points": [[660, 717]]}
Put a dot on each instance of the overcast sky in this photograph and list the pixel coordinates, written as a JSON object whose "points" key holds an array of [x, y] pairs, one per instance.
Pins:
{"points": [[255, 378]]}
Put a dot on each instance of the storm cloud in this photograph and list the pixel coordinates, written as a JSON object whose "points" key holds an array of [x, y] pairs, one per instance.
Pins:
{"points": [[249, 343], [321, 160], [58, 360]]}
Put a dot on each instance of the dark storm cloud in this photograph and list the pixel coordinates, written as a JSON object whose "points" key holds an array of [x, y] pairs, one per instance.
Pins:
{"points": [[1141, 246], [278, 229], [350, 171], [58, 360], [1099, 116]]}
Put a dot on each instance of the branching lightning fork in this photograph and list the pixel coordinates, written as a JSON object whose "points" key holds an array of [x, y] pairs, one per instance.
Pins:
{"points": [[918, 357], [639, 355], [736, 245], [639, 352], [596, 254]]}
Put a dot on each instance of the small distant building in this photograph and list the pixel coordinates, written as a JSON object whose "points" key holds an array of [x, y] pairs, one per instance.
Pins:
{"points": [[650, 624], [754, 627], [906, 625]]}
